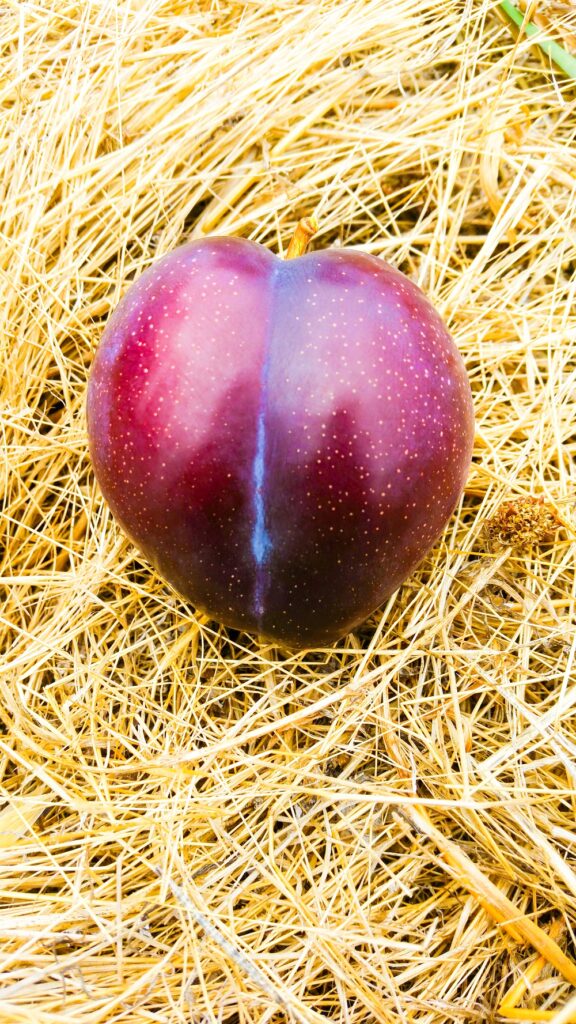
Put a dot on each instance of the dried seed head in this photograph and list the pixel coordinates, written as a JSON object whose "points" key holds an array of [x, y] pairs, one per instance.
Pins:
{"points": [[524, 522]]}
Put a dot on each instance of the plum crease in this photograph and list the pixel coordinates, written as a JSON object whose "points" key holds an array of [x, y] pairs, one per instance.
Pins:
{"points": [[261, 540]]}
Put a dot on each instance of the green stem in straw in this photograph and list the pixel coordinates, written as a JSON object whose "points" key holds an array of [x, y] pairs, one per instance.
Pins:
{"points": [[564, 60]]}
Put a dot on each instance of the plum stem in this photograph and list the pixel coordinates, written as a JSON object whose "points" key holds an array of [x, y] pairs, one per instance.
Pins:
{"points": [[305, 229]]}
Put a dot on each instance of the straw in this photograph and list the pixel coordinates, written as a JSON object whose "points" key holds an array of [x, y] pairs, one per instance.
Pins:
{"points": [[196, 827]]}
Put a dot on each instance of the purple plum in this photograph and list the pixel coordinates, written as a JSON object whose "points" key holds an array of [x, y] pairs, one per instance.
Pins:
{"points": [[283, 439]]}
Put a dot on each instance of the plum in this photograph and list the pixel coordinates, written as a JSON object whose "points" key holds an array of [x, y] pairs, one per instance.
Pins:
{"points": [[284, 440]]}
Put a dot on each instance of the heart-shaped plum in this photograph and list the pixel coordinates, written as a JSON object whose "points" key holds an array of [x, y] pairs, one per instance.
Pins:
{"points": [[283, 439]]}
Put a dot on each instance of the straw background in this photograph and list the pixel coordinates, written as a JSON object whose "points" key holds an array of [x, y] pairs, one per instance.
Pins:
{"points": [[195, 827]]}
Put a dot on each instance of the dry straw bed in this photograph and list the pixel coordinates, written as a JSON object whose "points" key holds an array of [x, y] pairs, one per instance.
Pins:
{"points": [[196, 827]]}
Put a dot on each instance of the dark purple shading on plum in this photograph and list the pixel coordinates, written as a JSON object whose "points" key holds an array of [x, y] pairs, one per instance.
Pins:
{"points": [[284, 440]]}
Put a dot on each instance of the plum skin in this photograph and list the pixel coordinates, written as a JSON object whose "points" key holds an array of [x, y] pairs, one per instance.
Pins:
{"points": [[284, 440]]}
